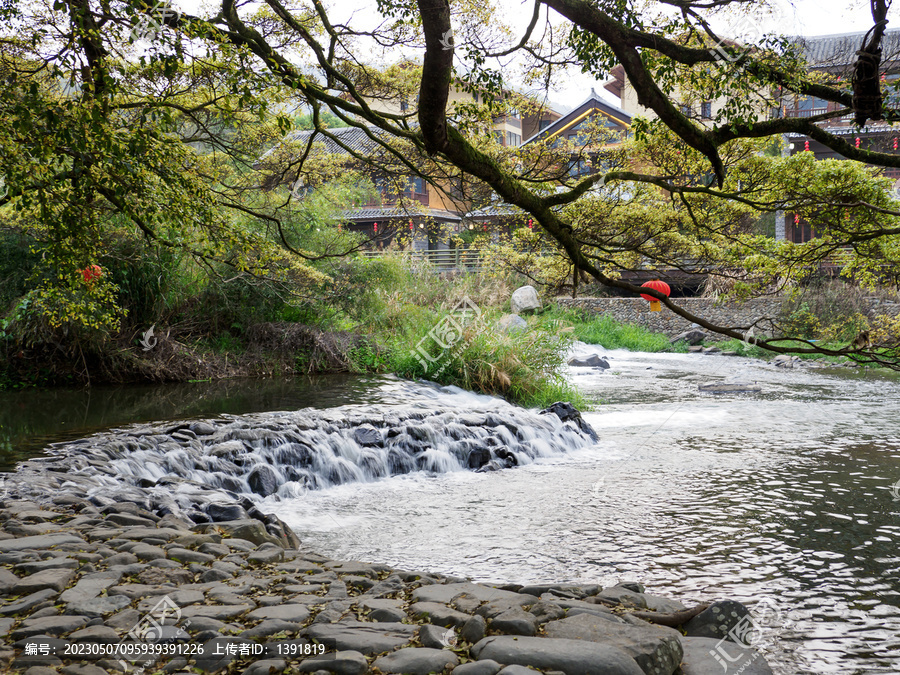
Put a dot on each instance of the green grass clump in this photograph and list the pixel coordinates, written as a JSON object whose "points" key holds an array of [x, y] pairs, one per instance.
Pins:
{"points": [[606, 331], [525, 367]]}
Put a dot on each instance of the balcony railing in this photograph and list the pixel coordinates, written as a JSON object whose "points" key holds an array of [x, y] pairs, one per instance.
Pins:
{"points": [[809, 112], [444, 260]]}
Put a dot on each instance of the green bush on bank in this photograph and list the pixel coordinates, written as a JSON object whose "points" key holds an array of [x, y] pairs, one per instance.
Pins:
{"points": [[604, 330]]}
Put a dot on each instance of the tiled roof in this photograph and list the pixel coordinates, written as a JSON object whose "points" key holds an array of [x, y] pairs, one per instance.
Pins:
{"points": [[376, 213], [494, 210], [875, 128], [840, 50], [354, 138], [592, 101]]}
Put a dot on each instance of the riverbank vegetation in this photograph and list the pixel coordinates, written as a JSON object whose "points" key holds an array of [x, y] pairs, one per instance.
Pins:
{"points": [[162, 215]]}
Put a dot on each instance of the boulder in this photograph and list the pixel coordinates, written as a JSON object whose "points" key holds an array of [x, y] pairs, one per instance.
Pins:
{"points": [[512, 323], [251, 530], [708, 655], [692, 337], [263, 480], [573, 657], [445, 593], [568, 413], [363, 637], [417, 661], [716, 620], [341, 663], [656, 649], [592, 361], [367, 436], [524, 300]]}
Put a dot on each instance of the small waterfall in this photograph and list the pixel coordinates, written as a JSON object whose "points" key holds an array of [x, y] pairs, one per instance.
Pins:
{"points": [[199, 468]]}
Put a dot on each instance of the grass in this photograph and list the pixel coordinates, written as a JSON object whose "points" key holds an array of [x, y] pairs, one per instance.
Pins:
{"points": [[606, 331]]}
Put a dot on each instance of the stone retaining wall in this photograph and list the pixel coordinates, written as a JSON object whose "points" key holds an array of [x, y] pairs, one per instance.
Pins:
{"points": [[637, 310]]}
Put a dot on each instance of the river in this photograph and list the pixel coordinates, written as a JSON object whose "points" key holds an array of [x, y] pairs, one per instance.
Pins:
{"points": [[791, 494]]}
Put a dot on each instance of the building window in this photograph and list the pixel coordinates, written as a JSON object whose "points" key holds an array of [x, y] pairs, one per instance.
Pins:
{"points": [[513, 140], [417, 185], [706, 110], [404, 104], [685, 109], [475, 96], [543, 124], [499, 137]]}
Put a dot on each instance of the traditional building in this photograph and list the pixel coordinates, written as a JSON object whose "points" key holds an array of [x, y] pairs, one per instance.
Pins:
{"points": [[577, 127], [833, 54]]}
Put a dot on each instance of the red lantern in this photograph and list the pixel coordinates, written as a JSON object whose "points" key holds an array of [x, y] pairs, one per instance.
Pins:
{"points": [[857, 141], [806, 146], [530, 224], [376, 228], [411, 228], [660, 287], [90, 273], [895, 144]]}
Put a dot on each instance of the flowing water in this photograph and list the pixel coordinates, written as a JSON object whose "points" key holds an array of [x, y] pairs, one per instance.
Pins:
{"points": [[787, 494], [791, 494]]}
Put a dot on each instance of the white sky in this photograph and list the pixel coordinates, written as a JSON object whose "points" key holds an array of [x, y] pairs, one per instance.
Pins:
{"points": [[789, 17], [785, 17]]}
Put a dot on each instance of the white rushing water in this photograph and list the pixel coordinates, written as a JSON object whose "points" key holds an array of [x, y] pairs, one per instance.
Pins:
{"points": [[784, 494]]}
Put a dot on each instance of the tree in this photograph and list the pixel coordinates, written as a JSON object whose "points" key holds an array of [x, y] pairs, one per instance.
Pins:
{"points": [[307, 54]]}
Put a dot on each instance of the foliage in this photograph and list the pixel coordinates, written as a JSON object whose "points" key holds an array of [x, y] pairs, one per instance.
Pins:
{"points": [[604, 330], [122, 125]]}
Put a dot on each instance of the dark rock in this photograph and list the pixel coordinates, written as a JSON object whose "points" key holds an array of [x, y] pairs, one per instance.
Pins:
{"points": [[263, 480], [473, 630], [55, 579], [573, 657], [266, 667], [40, 541], [367, 436], [656, 649], [437, 637], [251, 530], [444, 593], [218, 512], [339, 663], [438, 614], [515, 621], [294, 613], [478, 457], [567, 413], [546, 611], [700, 658], [717, 620], [368, 638], [592, 361], [387, 615], [417, 661], [50, 625], [27, 603], [271, 627], [486, 667], [692, 337]]}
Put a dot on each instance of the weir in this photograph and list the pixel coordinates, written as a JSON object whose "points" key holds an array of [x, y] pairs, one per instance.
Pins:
{"points": [[219, 469]]}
